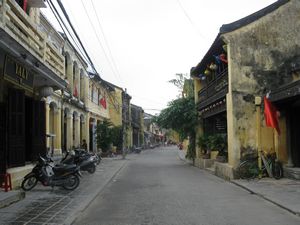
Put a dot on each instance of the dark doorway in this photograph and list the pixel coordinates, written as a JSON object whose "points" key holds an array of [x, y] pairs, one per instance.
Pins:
{"points": [[16, 128], [295, 135], [29, 128], [3, 138], [91, 136], [38, 129]]}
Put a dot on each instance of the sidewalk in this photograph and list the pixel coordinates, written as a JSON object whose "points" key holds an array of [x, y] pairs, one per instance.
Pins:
{"points": [[284, 193], [44, 205]]}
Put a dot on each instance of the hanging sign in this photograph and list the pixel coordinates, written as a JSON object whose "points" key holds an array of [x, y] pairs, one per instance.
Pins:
{"points": [[17, 73]]}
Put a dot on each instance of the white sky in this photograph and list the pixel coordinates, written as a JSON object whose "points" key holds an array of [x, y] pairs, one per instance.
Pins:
{"points": [[151, 40]]}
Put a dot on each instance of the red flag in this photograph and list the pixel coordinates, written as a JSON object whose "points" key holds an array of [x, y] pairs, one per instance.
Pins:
{"points": [[271, 115], [103, 102], [75, 91]]}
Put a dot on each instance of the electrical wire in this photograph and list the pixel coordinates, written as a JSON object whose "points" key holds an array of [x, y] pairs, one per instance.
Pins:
{"points": [[105, 39], [190, 20], [75, 33], [99, 41], [61, 22]]}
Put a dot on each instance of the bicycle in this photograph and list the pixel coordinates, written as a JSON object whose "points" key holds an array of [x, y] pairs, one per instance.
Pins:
{"points": [[249, 169]]}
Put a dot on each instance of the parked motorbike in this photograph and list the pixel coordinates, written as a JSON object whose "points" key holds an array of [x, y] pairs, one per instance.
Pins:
{"points": [[66, 176], [86, 161]]}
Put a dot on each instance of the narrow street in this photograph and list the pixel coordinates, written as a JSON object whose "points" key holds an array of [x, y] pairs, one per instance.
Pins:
{"points": [[158, 188]]}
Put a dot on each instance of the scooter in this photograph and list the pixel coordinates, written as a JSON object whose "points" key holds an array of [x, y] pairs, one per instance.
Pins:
{"points": [[81, 158], [66, 176]]}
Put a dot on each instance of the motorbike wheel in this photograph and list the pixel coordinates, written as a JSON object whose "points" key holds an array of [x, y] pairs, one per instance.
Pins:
{"points": [[72, 182], [92, 169], [29, 182], [277, 170]]}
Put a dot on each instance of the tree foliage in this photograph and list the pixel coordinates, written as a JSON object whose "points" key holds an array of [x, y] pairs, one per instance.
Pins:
{"points": [[180, 115]]}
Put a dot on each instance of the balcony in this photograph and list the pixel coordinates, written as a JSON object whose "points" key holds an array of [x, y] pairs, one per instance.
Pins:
{"points": [[214, 90], [16, 25]]}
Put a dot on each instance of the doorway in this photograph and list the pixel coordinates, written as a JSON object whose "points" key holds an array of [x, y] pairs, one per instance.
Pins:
{"points": [[295, 134]]}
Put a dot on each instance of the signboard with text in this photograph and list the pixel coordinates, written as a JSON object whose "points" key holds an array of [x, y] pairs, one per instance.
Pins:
{"points": [[17, 73]]}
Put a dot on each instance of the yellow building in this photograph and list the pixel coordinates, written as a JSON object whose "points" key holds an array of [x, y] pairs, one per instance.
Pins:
{"points": [[32, 67], [245, 62]]}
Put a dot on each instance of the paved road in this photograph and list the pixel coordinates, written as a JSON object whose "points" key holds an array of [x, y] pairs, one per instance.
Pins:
{"points": [[156, 188]]}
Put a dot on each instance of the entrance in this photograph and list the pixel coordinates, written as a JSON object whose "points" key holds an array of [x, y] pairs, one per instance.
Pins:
{"points": [[26, 128], [3, 138], [295, 134]]}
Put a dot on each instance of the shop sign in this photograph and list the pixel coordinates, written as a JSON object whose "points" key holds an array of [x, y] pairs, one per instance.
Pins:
{"points": [[18, 74]]}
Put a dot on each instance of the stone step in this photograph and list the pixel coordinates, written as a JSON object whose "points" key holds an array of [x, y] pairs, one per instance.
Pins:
{"points": [[10, 197]]}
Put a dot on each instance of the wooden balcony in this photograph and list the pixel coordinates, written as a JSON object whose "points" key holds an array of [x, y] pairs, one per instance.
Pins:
{"points": [[215, 90], [21, 28]]}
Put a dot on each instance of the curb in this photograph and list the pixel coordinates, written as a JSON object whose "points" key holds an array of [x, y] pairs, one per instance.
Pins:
{"points": [[74, 217], [13, 197], [266, 198]]}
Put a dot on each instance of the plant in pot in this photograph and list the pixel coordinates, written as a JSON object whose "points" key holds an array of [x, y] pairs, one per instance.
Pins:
{"points": [[203, 144], [220, 144]]}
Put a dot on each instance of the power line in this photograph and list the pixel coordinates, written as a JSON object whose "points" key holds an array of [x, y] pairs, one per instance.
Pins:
{"points": [[105, 39], [62, 25], [190, 20], [99, 41], [74, 31]]}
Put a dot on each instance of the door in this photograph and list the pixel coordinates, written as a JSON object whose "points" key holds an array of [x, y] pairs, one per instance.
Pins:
{"points": [[295, 134], [16, 128], [39, 129], [3, 138]]}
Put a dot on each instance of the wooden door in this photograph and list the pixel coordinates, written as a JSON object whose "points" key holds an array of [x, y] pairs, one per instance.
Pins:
{"points": [[16, 128], [39, 129], [2, 138]]}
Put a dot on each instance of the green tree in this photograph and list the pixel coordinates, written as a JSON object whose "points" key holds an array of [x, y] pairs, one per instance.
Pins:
{"points": [[104, 135], [116, 133], [181, 116]]}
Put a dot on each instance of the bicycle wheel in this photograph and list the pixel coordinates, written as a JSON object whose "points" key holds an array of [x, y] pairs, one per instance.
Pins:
{"points": [[248, 169], [277, 170]]}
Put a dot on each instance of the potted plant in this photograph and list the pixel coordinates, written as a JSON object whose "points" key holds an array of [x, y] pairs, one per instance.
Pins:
{"points": [[219, 143], [203, 144]]}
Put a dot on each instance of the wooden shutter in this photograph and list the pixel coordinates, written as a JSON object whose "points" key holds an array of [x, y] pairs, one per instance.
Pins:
{"points": [[2, 138], [39, 129], [16, 128]]}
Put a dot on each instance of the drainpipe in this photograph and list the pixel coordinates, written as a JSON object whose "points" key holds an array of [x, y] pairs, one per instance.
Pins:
{"points": [[258, 130]]}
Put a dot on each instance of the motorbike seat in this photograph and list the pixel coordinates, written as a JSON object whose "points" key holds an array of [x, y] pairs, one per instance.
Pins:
{"points": [[64, 167]]}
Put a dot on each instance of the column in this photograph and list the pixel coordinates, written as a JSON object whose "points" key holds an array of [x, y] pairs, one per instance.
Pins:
{"points": [[86, 135], [57, 129], [69, 130], [77, 131], [77, 80], [70, 75], [47, 105]]}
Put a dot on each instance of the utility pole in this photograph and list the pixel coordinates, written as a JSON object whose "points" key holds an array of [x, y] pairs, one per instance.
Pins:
{"points": [[124, 124]]}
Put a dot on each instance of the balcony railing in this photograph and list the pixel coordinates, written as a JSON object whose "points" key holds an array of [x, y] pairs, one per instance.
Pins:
{"points": [[15, 22], [214, 90]]}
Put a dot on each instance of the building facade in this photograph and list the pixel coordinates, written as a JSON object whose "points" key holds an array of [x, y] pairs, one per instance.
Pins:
{"points": [[249, 59]]}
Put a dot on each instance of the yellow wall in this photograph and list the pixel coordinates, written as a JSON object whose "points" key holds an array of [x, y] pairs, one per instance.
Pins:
{"points": [[115, 109]]}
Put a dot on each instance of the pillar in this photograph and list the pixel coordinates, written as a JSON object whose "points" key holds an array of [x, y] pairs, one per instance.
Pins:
{"points": [[47, 105], [86, 134], [70, 75], [77, 131], [57, 128], [69, 118], [77, 81]]}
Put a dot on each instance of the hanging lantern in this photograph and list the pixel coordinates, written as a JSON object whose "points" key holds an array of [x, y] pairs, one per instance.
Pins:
{"points": [[213, 66], [223, 58], [207, 72], [45, 91]]}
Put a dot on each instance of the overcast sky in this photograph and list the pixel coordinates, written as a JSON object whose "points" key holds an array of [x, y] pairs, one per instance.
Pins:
{"points": [[141, 44]]}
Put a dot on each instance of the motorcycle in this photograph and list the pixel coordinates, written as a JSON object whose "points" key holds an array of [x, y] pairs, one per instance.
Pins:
{"points": [[86, 161], [66, 176]]}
